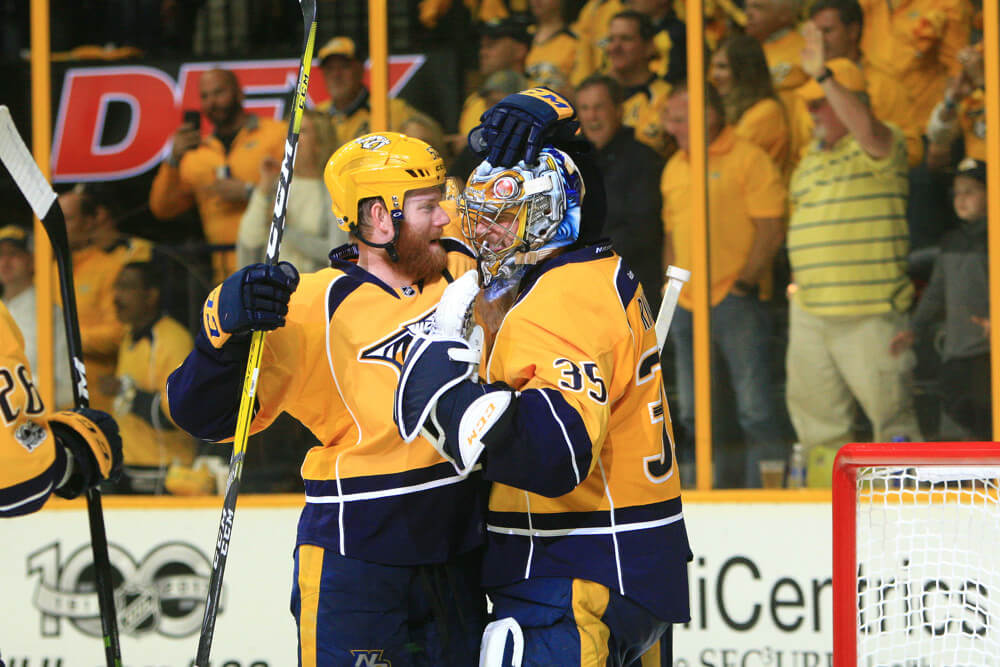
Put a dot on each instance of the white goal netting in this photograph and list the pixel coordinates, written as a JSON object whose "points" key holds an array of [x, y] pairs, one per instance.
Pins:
{"points": [[928, 550]]}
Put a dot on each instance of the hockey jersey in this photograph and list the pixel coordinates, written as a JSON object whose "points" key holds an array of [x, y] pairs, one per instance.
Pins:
{"points": [[31, 465], [334, 367], [588, 486]]}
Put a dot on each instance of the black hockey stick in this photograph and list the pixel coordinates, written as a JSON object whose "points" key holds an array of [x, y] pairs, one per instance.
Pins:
{"points": [[256, 345], [15, 156]]}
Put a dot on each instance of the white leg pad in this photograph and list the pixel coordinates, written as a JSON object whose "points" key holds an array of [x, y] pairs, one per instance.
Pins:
{"points": [[497, 636]]}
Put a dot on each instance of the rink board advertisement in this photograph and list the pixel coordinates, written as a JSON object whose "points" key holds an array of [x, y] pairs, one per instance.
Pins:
{"points": [[760, 584]]}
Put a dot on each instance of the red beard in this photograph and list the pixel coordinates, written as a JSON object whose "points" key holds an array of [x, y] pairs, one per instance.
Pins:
{"points": [[419, 257]]}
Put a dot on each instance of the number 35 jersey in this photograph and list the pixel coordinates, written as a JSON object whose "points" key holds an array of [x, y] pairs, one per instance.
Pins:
{"points": [[589, 486]]}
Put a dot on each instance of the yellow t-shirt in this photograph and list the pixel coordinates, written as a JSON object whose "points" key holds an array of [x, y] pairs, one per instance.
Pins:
{"points": [[917, 41], [148, 361], [743, 184], [557, 53], [766, 124], [357, 121], [848, 239], [94, 273], [972, 119]]}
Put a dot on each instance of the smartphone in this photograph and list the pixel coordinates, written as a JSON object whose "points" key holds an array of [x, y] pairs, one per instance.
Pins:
{"points": [[192, 117]]}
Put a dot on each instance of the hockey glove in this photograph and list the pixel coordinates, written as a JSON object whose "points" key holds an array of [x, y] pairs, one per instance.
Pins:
{"points": [[438, 394], [255, 298], [93, 448], [518, 126]]}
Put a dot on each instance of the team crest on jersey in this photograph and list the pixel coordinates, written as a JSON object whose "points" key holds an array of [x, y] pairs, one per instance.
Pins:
{"points": [[373, 142], [29, 435], [392, 350]]}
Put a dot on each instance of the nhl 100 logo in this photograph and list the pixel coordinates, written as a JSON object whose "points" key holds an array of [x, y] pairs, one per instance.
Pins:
{"points": [[163, 592]]}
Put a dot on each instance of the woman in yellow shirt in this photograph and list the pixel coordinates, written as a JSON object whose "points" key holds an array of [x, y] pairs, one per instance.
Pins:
{"points": [[738, 70]]}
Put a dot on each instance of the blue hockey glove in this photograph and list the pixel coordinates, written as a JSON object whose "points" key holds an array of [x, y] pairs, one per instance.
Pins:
{"points": [[255, 298], [93, 446], [438, 394], [518, 126]]}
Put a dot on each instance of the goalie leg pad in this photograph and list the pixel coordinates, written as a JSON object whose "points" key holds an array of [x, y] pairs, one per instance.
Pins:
{"points": [[502, 645]]}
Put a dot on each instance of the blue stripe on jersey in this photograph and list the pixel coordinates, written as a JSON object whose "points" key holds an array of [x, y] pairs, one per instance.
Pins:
{"points": [[651, 571], [551, 452], [428, 526], [627, 284], [215, 375], [601, 518], [355, 276], [598, 250], [29, 496], [451, 244]]}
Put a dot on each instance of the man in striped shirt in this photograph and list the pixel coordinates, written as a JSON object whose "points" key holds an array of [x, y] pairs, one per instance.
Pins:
{"points": [[848, 244]]}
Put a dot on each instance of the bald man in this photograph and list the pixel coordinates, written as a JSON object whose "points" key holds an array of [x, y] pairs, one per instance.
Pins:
{"points": [[217, 171]]}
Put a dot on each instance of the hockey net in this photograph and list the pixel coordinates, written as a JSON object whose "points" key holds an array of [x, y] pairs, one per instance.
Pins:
{"points": [[916, 567]]}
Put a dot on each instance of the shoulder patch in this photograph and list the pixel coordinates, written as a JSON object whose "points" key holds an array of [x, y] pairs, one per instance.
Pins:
{"points": [[29, 435]]}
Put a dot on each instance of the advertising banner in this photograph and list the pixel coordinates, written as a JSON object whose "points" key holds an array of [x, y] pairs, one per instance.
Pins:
{"points": [[760, 585]]}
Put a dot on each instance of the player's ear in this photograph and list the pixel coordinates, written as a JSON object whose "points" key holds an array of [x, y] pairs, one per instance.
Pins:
{"points": [[381, 222]]}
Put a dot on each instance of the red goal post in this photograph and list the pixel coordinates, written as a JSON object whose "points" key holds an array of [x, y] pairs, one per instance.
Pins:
{"points": [[916, 554]]}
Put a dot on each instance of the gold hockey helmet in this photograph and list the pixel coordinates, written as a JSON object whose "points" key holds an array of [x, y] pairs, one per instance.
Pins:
{"points": [[380, 164]]}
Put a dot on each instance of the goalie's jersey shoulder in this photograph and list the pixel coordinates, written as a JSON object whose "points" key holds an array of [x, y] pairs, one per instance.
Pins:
{"points": [[28, 462]]}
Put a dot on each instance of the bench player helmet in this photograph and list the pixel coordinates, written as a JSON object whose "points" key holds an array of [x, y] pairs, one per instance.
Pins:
{"points": [[379, 164], [517, 216]]}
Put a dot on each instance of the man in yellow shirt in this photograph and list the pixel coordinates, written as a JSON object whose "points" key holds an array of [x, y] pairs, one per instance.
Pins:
{"points": [[848, 244], [917, 41], [217, 172], [746, 228], [349, 106], [154, 345]]}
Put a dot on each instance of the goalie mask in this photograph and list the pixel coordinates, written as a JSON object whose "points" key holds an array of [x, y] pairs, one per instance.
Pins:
{"points": [[517, 216]]}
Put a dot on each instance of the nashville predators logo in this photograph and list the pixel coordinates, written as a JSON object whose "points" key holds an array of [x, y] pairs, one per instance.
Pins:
{"points": [[373, 142], [392, 349]]}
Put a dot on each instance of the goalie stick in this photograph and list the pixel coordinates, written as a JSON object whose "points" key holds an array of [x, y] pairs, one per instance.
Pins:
{"points": [[308, 8], [676, 277], [45, 205]]}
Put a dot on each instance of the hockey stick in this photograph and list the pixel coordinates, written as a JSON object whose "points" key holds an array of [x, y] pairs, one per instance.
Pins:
{"points": [[676, 277], [308, 8], [43, 201]]}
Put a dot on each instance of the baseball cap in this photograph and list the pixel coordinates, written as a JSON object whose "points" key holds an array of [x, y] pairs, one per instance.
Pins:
{"points": [[19, 236], [968, 167], [339, 46], [845, 72], [514, 27]]}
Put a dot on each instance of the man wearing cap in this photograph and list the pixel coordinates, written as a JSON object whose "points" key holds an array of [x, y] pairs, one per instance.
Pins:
{"points": [[848, 245], [349, 106], [17, 275], [503, 44]]}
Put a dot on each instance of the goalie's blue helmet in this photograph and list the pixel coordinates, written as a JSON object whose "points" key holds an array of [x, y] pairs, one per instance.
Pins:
{"points": [[517, 216]]}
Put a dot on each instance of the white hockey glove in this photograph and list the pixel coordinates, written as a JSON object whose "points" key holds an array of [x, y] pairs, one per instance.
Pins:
{"points": [[443, 361]]}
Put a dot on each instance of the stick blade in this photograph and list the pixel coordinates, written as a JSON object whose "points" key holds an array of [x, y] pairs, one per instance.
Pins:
{"points": [[21, 165]]}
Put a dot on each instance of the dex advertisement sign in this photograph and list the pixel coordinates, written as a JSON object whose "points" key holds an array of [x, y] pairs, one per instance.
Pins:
{"points": [[115, 122]]}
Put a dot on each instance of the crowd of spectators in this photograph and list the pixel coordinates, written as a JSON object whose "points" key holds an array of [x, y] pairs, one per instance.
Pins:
{"points": [[843, 135]]}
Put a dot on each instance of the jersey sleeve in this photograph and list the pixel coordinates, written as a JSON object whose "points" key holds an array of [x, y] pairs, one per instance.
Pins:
{"points": [[31, 465]]}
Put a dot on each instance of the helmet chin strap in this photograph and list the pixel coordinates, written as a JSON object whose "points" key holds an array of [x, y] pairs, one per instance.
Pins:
{"points": [[388, 246]]}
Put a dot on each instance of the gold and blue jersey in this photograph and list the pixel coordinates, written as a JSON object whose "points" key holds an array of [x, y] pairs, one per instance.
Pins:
{"points": [[334, 367], [31, 465], [587, 487]]}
